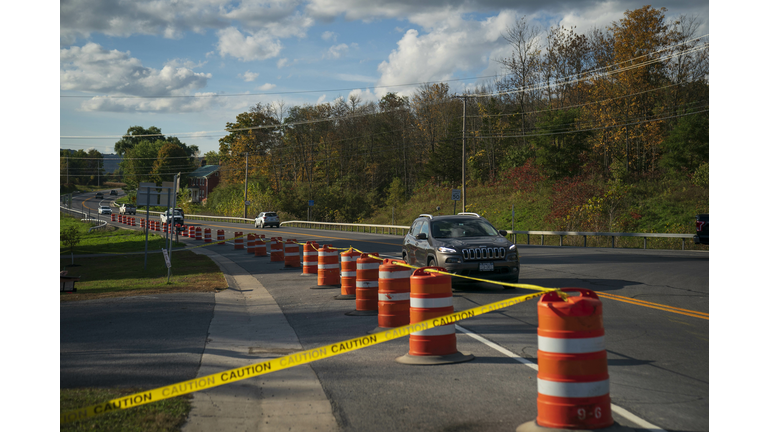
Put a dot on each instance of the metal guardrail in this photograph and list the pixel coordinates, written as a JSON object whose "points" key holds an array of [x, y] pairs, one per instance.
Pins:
{"points": [[401, 230], [366, 228], [86, 218]]}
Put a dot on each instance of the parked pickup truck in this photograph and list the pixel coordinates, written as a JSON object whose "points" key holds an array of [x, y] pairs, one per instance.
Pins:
{"points": [[173, 216], [702, 229], [127, 209]]}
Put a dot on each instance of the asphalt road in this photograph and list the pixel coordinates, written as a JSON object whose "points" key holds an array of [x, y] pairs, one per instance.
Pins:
{"points": [[658, 356]]}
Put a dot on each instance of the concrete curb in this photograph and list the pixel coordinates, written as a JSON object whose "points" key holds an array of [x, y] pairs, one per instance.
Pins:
{"points": [[248, 327]]}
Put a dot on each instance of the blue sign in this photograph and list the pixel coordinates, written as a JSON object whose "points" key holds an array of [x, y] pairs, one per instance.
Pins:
{"points": [[311, 203]]}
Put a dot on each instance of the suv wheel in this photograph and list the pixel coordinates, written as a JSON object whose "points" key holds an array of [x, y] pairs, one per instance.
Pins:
{"points": [[430, 262]]}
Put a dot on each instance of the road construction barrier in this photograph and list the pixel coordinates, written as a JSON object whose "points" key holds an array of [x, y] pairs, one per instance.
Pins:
{"points": [[133, 221], [394, 295], [275, 250], [239, 241], [260, 247], [366, 285], [198, 233], [328, 273], [113, 217], [431, 297], [309, 259], [573, 386], [142, 223], [348, 274], [250, 244], [220, 237], [207, 232], [292, 258]]}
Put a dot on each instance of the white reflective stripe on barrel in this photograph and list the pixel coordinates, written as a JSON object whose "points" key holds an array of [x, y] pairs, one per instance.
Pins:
{"points": [[349, 274], [291, 254], [394, 274], [394, 296], [572, 346], [431, 302], [309, 264], [437, 331], [310, 253], [327, 266], [368, 266], [571, 389], [366, 284], [328, 254]]}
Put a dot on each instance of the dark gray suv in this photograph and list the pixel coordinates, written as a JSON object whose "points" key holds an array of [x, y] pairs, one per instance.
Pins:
{"points": [[464, 244]]}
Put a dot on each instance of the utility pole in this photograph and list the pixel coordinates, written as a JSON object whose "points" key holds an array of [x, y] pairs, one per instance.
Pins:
{"points": [[245, 200], [463, 155]]}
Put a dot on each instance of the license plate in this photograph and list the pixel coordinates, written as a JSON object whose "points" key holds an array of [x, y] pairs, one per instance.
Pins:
{"points": [[486, 266]]}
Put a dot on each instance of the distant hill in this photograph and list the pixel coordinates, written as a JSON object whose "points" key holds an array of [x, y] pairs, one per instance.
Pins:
{"points": [[111, 162]]}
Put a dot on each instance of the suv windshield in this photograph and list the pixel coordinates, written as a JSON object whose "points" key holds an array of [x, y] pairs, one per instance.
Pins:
{"points": [[270, 214], [462, 228]]}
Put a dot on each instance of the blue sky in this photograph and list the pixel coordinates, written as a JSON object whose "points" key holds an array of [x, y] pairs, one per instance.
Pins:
{"points": [[290, 51]]}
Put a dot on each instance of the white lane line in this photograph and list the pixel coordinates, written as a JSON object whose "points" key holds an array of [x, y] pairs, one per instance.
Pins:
{"points": [[614, 408]]}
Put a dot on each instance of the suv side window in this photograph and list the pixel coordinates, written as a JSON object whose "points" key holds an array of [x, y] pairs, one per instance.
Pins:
{"points": [[415, 227], [424, 228]]}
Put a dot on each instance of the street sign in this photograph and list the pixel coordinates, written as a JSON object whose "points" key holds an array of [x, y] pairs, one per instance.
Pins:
{"points": [[456, 194], [311, 203], [248, 202], [167, 258]]}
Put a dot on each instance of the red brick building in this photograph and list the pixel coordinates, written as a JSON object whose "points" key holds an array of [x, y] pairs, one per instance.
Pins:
{"points": [[202, 181]]}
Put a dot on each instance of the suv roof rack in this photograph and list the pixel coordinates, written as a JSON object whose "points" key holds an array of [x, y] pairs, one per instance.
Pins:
{"points": [[469, 214], [425, 215]]}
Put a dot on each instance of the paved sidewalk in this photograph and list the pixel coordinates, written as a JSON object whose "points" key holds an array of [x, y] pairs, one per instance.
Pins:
{"points": [[247, 327]]}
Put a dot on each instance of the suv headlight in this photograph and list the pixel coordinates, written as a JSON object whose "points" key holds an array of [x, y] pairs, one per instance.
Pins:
{"points": [[446, 249]]}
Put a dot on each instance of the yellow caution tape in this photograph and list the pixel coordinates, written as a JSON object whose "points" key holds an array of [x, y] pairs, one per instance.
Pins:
{"points": [[280, 363]]}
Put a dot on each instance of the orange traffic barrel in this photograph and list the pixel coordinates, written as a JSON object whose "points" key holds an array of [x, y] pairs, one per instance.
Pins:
{"points": [[143, 223], [220, 237], [208, 235], [394, 295], [239, 240], [198, 233], [366, 286], [119, 218], [259, 248], [291, 254], [328, 274], [276, 250], [348, 274], [250, 244], [133, 221], [309, 259], [431, 297], [573, 387], [113, 217]]}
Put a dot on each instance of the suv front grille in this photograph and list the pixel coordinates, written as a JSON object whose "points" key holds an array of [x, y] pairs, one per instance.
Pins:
{"points": [[484, 253]]}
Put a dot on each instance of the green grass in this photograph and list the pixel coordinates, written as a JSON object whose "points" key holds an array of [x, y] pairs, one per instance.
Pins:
{"points": [[164, 415], [110, 239]]}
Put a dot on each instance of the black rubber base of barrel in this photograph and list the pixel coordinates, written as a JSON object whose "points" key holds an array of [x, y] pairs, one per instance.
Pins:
{"points": [[363, 313], [456, 357], [345, 297], [532, 426]]}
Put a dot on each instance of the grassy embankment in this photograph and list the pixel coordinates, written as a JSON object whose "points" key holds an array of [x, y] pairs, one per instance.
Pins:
{"points": [[121, 275]]}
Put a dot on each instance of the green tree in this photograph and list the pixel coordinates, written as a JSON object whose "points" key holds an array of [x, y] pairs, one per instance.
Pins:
{"points": [[70, 237], [687, 145], [560, 143]]}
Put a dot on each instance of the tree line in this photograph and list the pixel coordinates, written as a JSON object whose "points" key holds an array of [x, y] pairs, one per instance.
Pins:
{"points": [[634, 95]]}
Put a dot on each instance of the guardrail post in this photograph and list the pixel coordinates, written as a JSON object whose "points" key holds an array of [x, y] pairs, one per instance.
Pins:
{"points": [[585, 241], [683, 239], [529, 239], [613, 241], [542, 239], [561, 239], [645, 240]]}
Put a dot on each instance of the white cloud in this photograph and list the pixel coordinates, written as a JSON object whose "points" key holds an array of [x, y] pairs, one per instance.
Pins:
{"points": [[329, 35], [259, 46], [320, 100], [438, 55], [337, 51], [249, 76], [283, 62], [95, 69], [266, 87]]}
